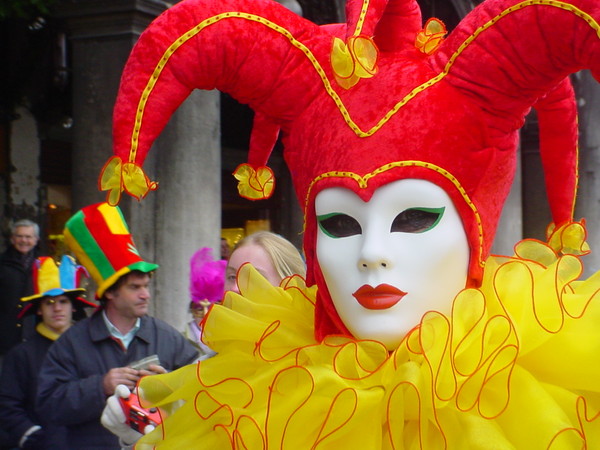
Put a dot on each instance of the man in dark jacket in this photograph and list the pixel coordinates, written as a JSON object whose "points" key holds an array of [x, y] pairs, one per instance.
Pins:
{"points": [[15, 280], [56, 303], [83, 367]]}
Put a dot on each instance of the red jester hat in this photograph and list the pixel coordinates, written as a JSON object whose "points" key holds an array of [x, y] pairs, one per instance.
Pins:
{"points": [[371, 101]]}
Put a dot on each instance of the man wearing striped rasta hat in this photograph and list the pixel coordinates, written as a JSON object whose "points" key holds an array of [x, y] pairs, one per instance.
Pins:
{"points": [[100, 352]]}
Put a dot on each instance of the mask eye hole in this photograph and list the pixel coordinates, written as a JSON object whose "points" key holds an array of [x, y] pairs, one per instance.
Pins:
{"points": [[338, 225], [417, 220]]}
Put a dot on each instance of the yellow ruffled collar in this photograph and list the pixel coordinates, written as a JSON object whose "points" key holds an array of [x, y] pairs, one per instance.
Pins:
{"points": [[515, 365]]}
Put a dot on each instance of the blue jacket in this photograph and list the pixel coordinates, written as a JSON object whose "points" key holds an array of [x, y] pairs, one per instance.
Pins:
{"points": [[15, 282], [70, 383], [18, 386]]}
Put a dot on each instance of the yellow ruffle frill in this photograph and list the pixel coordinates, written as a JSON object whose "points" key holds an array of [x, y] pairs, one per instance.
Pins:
{"points": [[515, 366]]}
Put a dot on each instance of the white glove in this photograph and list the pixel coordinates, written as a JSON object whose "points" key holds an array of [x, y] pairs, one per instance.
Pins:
{"points": [[113, 417]]}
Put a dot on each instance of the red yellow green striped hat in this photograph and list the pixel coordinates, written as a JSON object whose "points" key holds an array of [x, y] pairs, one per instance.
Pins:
{"points": [[99, 237]]}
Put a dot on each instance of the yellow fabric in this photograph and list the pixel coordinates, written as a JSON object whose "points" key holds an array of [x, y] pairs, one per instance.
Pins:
{"points": [[113, 218], [431, 36], [353, 60], [569, 238], [43, 329], [255, 184], [48, 276], [111, 180], [515, 366], [117, 177], [46, 279]]}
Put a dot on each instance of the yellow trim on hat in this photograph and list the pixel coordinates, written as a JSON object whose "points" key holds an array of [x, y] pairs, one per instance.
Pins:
{"points": [[574, 199], [319, 69], [65, 292], [102, 287], [361, 18], [190, 34], [142, 266], [363, 181]]}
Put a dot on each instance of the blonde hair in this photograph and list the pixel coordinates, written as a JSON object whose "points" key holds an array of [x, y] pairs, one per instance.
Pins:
{"points": [[285, 257]]}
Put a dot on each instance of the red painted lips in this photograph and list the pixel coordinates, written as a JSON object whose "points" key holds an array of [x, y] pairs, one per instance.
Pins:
{"points": [[383, 296]]}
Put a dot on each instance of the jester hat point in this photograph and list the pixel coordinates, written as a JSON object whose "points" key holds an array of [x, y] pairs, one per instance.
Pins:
{"points": [[50, 280], [379, 98], [99, 237]]}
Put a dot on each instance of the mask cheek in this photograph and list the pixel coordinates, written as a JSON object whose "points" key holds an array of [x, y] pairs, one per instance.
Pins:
{"points": [[337, 257], [337, 261]]}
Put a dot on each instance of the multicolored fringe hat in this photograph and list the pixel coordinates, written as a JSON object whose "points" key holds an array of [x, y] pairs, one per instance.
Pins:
{"points": [[50, 280], [377, 99], [99, 237], [207, 277]]}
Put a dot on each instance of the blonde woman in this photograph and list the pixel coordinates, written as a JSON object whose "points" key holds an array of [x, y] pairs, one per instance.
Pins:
{"points": [[273, 256]]}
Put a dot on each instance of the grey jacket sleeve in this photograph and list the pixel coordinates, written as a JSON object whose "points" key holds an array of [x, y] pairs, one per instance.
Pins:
{"points": [[187, 352]]}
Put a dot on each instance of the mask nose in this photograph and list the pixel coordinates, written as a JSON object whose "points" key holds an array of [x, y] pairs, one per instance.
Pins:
{"points": [[374, 255], [374, 263]]}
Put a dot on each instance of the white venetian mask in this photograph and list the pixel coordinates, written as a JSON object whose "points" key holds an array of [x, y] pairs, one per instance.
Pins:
{"points": [[388, 261]]}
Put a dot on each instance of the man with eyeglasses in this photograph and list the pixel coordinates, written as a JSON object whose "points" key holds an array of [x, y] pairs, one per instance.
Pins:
{"points": [[16, 280]]}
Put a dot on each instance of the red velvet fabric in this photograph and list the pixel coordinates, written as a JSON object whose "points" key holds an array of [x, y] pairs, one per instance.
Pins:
{"points": [[451, 117]]}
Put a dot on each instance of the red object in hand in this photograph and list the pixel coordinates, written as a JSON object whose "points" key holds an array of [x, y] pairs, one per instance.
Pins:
{"points": [[136, 416]]}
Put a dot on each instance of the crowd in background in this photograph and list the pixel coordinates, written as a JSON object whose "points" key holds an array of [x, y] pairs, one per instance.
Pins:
{"points": [[62, 355]]}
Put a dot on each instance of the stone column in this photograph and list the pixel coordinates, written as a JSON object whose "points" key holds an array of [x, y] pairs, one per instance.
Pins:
{"points": [[588, 197], [510, 227], [536, 210], [25, 175], [101, 34], [184, 214]]}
